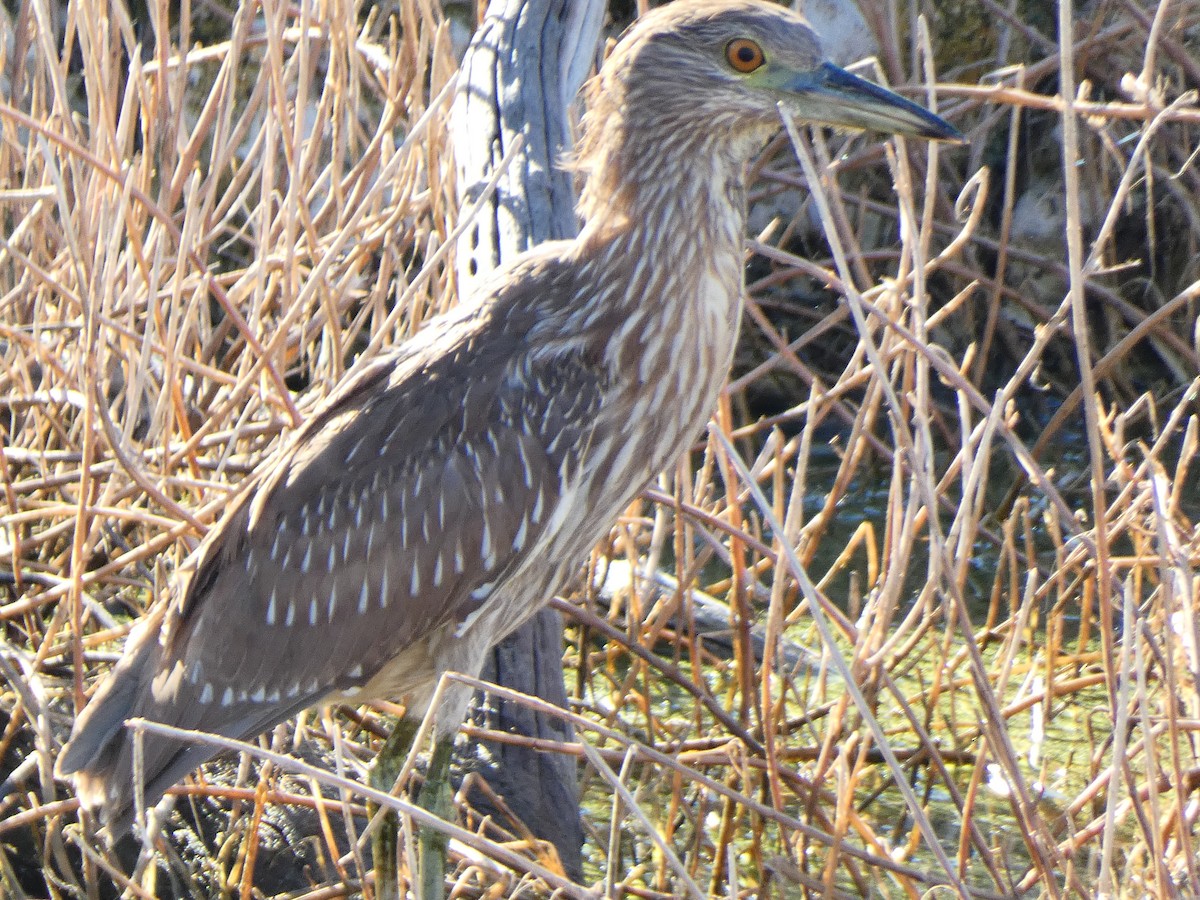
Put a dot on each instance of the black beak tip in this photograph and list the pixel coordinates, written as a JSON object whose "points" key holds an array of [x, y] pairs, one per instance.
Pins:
{"points": [[947, 134], [935, 128]]}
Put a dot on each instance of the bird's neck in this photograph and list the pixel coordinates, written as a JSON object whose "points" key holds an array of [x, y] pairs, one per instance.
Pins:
{"points": [[677, 181], [672, 239], [676, 208]]}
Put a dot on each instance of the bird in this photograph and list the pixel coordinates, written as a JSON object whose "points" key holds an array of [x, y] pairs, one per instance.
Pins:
{"points": [[452, 485]]}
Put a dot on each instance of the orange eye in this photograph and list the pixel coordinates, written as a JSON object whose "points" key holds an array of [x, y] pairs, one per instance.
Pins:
{"points": [[744, 55]]}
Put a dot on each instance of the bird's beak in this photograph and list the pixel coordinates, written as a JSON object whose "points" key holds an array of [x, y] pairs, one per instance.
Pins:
{"points": [[829, 95]]}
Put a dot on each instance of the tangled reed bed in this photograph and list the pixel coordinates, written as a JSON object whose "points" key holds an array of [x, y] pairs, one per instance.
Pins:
{"points": [[957, 460]]}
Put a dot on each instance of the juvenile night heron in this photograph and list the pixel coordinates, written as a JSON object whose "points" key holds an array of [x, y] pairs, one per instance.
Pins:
{"points": [[436, 500]]}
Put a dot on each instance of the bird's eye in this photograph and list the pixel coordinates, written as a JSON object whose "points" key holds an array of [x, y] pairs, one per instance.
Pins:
{"points": [[744, 55]]}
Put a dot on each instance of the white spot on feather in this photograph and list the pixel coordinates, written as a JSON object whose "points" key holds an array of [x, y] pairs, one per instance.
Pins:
{"points": [[259, 695], [332, 601], [356, 672], [415, 585], [677, 344], [206, 695], [519, 540], [306, 562], [227, 697], [437, 571], [525, 469], [485, 546], [383, 587], [291, 614], [363, 598], [312, 611], [271, 609]]}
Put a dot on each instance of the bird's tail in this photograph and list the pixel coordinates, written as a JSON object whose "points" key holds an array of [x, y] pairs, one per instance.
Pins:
{"points": [[99, 757]]}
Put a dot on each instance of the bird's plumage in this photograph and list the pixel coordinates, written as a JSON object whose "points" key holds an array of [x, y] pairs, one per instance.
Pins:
{"points": [[438, 498]]}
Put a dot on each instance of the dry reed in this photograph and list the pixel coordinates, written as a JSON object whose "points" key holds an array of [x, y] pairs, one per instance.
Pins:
{"points": [[957, 459]]}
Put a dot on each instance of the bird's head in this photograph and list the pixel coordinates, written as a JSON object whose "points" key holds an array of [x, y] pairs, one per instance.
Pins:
{"points": [[724, 62], [716, 72]]}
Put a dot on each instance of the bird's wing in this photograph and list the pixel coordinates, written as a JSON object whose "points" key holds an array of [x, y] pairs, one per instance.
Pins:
{"points": [[404, 501], [399, 508]]}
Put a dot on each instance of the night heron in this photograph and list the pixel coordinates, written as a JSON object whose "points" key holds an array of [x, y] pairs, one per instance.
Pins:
{"points": [[436, 500]]}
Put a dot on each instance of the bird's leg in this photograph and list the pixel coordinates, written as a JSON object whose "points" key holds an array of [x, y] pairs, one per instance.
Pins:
{"points": [[435, 797], [383, 777]]}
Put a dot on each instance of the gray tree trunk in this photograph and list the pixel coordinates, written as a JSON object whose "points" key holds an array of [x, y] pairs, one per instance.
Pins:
{"points": [[525, 64]]}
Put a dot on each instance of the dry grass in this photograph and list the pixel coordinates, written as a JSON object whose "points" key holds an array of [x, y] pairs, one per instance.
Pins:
{"points": [[984, 526]]}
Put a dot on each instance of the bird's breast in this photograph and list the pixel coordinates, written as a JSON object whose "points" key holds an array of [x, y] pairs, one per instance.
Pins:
{"points": [[669, 361]]}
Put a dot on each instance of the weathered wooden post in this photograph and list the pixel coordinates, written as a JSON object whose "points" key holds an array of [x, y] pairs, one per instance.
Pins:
{"points": [[521, 73]]}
